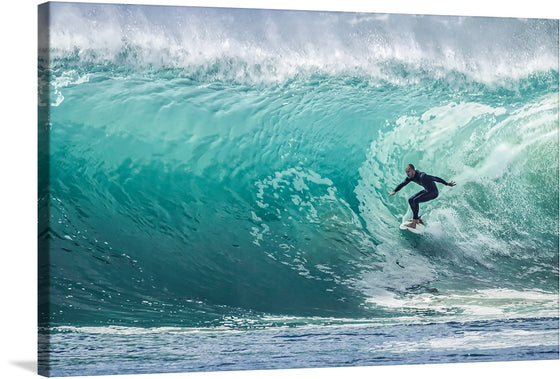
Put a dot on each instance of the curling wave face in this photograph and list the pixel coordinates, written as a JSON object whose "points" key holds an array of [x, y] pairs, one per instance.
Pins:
{"points": [[213, 167]]}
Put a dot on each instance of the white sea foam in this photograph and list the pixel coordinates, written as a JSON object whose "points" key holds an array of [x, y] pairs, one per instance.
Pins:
{"points": [[258, 44], [462, 306]]}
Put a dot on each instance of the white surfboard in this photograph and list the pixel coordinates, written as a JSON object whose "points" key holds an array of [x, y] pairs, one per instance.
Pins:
{"points": [[419, 229]]}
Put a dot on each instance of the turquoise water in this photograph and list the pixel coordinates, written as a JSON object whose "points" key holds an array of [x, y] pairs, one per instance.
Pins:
{"points": [[227, 172]]}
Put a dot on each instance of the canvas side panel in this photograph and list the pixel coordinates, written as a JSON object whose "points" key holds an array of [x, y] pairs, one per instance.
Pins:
{"points": [[43, 197]]}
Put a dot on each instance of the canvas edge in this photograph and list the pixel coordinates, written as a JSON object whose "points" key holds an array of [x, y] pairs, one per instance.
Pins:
{"points": [[43, 196]]}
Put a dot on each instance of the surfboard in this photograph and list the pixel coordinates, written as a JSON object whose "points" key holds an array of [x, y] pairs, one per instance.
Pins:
{"points": [[418, 230]]}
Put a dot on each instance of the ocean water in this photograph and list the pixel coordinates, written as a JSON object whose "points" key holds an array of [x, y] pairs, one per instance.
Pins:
{"points": [[213, 189]]}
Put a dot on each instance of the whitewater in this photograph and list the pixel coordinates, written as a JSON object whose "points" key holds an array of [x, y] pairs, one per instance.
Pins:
{"points": [[211, 173]]}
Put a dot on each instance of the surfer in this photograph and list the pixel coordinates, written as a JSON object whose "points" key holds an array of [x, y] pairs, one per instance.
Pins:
{"points": [[429, 192]]}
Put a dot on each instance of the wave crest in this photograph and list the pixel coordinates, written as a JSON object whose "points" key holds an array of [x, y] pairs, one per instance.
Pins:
{"points": [[264, 45]]}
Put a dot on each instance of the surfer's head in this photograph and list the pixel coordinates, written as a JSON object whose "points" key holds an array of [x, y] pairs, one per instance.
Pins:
{"points": [[410, 170]]}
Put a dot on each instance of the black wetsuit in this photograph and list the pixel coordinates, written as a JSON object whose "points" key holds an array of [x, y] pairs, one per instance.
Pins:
{"points": [[429, 192]]}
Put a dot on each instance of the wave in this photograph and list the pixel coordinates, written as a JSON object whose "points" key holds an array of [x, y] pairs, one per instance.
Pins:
{"points": [[182, 193]]}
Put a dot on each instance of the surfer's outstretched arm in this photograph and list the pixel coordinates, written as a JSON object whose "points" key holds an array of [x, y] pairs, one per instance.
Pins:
{"points": [[404, 183], [440, 180]]}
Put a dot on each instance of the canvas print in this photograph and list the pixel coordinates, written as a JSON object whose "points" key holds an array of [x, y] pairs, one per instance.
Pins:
{"points": [[248, 189]]}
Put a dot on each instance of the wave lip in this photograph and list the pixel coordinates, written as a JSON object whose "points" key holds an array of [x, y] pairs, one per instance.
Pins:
{"points": [[264, 45]]}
